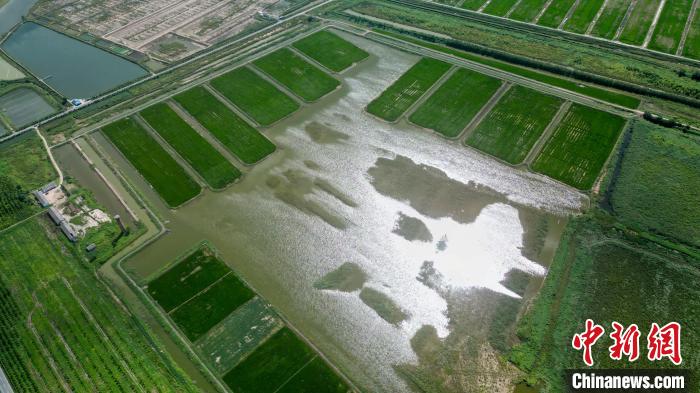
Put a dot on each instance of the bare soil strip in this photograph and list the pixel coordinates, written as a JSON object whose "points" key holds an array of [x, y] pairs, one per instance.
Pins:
{"points": [[568, 14], [688, 23], [650, 33], [547, 133], [510, 11], [484, 111], [597, 16], [544, 9], [624, 20]]}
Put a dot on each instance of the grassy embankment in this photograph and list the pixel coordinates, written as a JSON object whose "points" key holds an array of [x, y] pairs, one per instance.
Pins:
{"points": [[527, 11], [298, 75], [406, 90], [611, 18], [239, 137], [511, 129], [330, 51], [639, 22], [669, 29], [159, 169], [214, 168], [453, 105], [583, 16], [255, 96], [555, 13], [62, 330], [579, 147]]}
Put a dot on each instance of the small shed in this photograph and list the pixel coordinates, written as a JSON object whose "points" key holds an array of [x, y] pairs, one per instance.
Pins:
{"points": [[91, 247]]}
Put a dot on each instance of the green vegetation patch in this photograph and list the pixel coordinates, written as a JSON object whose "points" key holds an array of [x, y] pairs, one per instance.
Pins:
{"points": [[639, 22], [16, 203], [383, 305], [25, 161], [669, 28], [297, 74], [199, 314], [331, 51], [527, 11], [583, 15], [166, 176], [234, 133], [268, 368], [255, 96], [656, 189], [403, 93], [580, 146], [216, 170], [499, 7], [316, 377], [453, 105], [611, 18], [187, 278], [349, 277], [692, 42], [555, 13], [513, 126], [472, 4]]}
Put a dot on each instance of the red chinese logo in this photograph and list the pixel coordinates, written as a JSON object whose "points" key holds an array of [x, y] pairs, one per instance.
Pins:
{"points": [[665, 342], [587, 339], [626, 342]]}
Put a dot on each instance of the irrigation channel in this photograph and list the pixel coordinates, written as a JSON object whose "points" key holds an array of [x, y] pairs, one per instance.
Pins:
{"points": [[339, 190]]}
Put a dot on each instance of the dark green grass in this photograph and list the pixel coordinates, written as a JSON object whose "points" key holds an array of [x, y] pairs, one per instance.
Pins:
{"points": [[605, 281], [216, 170], [201, 313], [692, 42], [450, 108], [611, 18], [514, 124], [159, 169], [472, 4], [669, 29], [583, 16], [499, 7], [555, 13], [271, 365], [316, 377], [395, 100], [186, 279], [239, 137], [527, 11], [16, 203], [331, 51], [657, 187], [255, 96], [298, 75], [590, 91], [580, 146], [639, 22]]}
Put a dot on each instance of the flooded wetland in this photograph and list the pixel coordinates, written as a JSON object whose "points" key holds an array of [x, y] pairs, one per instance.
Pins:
{"points": [[401, 255]]}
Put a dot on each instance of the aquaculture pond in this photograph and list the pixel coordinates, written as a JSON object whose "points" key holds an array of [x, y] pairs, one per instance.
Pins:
{"points": [[71, 67], [23, 106]]}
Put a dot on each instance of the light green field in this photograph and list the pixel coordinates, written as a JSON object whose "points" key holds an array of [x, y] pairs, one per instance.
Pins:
{"points": [[499, 7], [511, 128], [25, 161], [159, 169], [692, 43], [527, 11], [639, 22], [8, 72], [580, 146], [472, 4], [214, 168], [403, 93], [555, 13], [611, 18], [298, 75], [669, 29], [583, 16], [331, 51], [453, 105]]}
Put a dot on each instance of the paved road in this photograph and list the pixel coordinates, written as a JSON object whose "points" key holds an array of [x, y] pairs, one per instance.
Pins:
{"points": [[4, 383]]}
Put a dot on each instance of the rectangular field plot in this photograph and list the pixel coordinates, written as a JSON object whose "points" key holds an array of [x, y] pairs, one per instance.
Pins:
{"points": [[639, 22], [239, 137], [514, 124], [255, 96], [205, 159], [330, 51], [297, 74], [453, 105], [395, 100], [159, 169], [527, 11], [692, 43], [611, 18], [669, 29], [187, 278], [472, 4], [583, 16], [580, 146], [555, 13], [499, 7], [23, 106]]}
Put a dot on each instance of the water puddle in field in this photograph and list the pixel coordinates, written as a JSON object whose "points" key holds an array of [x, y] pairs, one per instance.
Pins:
{"points": [[364, 233]]}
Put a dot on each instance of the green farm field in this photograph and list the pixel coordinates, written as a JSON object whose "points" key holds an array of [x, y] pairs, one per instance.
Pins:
{"points": [[406, 90], [216, 170], [692, 43], [298, 75], [164, 174], [580, 146], [511, 129], [639, 22], [669, 29], [54, 310], [611, 18], [330, 51], [199, 314], [472, 4], [499, 7], [25, 161], [187, 278], [555, 13], [527, 11], [453, 105], [239, 137], [255, 96], [583, 16]]}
